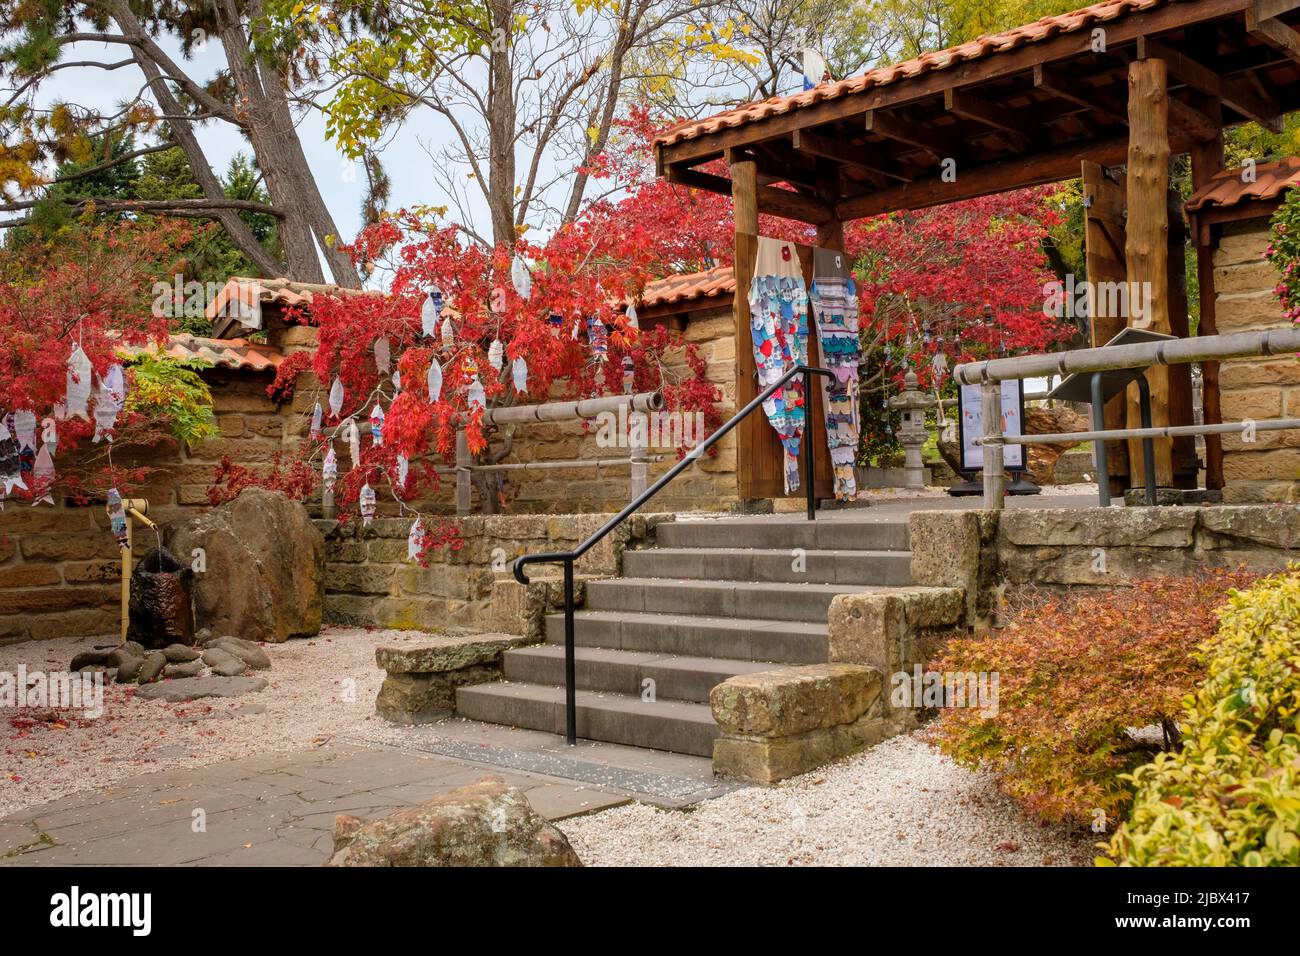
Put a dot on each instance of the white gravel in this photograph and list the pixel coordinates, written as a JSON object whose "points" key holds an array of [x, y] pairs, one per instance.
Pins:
{"points": [[318, 688], [899, 804]]}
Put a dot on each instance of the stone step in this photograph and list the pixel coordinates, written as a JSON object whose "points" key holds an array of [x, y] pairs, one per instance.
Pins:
{"points": [[721, 598], [672, 725], [734, 638], [604, 669], [786, 565], [882, 533]]}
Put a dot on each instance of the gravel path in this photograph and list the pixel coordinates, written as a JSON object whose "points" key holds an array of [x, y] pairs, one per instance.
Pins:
{"points": [[318, 688], [899, 804]]}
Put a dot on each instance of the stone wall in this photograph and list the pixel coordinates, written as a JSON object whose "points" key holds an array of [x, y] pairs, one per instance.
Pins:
{"points": [[1267, 469], [60, 566], [991, 553], [369, 580]]}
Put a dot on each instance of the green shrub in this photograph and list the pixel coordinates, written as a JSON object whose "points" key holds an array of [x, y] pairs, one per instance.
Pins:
{"points": [[1076, 674], [1231, 795]]}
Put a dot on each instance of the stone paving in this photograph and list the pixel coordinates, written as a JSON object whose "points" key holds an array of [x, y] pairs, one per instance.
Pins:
{"points": [[278, 809], [275, 809]]}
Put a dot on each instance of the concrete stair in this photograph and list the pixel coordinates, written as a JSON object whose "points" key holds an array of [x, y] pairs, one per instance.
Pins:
{"points": [[715, 599]]}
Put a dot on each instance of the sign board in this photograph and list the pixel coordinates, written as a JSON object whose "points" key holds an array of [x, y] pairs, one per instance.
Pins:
{"points": [[970, 425]]}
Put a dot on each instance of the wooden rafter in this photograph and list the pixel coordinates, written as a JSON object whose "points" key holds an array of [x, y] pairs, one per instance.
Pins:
{"points": [[777, 202], [1055, 81], [937, 142], [1262, 21], [1237, 95], [845, 152], [974, 107]]}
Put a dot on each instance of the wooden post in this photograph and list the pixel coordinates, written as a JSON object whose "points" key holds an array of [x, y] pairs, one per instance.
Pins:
{"points": [[994, 479], [749, 436], [1207, 159], [1147, 244], [1104, 243]]}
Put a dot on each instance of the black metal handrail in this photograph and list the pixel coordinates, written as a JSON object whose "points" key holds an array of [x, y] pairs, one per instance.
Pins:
{"points": [[569, 557]]}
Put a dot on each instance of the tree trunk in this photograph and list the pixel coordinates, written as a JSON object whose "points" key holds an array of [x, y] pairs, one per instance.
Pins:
{"points": [[502, 113]]}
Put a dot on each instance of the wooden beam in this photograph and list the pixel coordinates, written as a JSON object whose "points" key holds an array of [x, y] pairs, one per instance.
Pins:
{"points": [[1207, 159], [777, 202], [1272, 31], [1031, 169], [942, 145], [1147, 248], [1054, 80], [1239, 96], [1200, 128], [842, 151], [974, 107]]}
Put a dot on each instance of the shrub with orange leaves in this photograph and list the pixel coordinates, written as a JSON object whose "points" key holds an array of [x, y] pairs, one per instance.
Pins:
{"points": [[1090, 687]]}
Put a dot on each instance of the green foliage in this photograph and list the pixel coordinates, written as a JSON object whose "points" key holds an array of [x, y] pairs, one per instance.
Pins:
{"points": [[1076, 675], [1231, 796], [172, 390]]}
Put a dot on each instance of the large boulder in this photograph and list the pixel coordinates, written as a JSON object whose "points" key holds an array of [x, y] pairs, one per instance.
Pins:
{"points": [[262, 577], [484, 824]]}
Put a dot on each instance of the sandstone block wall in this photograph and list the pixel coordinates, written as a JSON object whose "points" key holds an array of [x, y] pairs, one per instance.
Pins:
{"points": [[369, 580], [1267, 469]]}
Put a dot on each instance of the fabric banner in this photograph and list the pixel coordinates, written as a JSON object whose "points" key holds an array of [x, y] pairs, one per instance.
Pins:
{"points": [[778, 304], [834, 304]]}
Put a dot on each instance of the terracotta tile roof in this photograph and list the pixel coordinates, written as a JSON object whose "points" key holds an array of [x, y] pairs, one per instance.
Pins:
{"points": [[253, 293], [223, 353], [1046, 28], [1228, 188], [678, 289]]}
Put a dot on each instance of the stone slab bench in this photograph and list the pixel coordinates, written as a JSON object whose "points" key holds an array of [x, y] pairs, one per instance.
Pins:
{"points": [[787, 721], [420, 686]]}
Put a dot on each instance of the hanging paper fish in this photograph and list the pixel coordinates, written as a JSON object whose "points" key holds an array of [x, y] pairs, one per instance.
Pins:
{"points": [[629, 374], [403, 469], [377, 425], [117, 517], [397, 379], [940, 364], [367, 504], [336, 397], [330, 469], [383, 355], [630, 316], [435, 381], [448, 333], [474, 393], [25, 428], [78, 384], [519, 374], [597, 338], [114, 382], [105, 413], [415, 540], [353, 434], [50, 434], [11, 469], [556, 321], [316, 415], [44, 472], [496, 352], [521, 278], [430, 312]]}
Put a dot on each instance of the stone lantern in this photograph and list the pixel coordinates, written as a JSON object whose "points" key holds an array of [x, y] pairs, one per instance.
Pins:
{"points": [[912, 403]]}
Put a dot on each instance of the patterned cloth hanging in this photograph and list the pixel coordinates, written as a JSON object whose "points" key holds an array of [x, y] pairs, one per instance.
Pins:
{"points": [[834, 303], [778, 306]]}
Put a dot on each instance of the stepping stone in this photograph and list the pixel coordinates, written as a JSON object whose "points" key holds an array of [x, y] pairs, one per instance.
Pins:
{"points": [[180, 654], [194, 688]]}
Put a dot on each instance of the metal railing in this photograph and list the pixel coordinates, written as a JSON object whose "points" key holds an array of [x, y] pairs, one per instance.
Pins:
{"points": [[567, 558], [1095, 361]]}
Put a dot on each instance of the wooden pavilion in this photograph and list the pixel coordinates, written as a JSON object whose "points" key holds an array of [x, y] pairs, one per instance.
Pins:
{"points": [[1124, 83]]}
